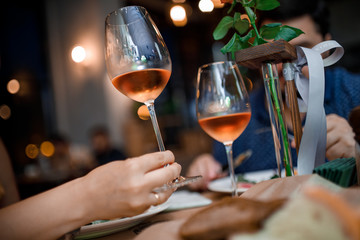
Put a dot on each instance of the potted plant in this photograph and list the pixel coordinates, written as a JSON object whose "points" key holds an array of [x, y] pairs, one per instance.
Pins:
{"points": [[262, 48]]}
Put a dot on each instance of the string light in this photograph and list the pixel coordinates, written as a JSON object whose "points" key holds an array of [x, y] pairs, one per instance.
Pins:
{"points": [[178, 15], [206, 5], [31, 151], [78, 54], [47, 149], [13, 86], [5, 112]]}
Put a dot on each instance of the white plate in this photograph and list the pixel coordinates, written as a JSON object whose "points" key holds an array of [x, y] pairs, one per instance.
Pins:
{"points": [[112, 226], [185, 199], [224, 185]]}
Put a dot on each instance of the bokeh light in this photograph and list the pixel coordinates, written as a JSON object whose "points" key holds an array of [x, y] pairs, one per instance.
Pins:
{"points": [[47, 148], [78, 54], [178, 15], [5, 112], [13, 86], [206, 5], [31, 151], [143, 112]]}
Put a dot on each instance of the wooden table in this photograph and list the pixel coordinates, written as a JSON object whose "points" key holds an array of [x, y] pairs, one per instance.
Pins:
{"points": [[166, 225], [163, 225]]}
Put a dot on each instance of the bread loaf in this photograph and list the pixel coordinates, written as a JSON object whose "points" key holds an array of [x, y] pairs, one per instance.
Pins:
{"points": [[228, 216], [315, 213]]}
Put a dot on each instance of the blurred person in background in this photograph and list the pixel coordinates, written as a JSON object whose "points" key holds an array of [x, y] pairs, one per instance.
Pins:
{"points": [[342, 94], [102, 147], [61, 160], [70, 160]]}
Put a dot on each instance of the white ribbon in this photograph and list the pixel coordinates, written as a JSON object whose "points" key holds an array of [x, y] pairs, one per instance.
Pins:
{"points": [[313, 141]]}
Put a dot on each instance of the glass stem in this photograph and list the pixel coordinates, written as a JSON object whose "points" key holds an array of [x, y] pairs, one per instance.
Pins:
{"points": [[151, 108], [229, 153]]}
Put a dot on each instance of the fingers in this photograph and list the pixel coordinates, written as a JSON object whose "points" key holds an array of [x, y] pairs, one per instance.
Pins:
{"points": [[155, 160], [342, 148], [206, 166], [340, 141], [293, 143], [163, 175], [159, 197]]}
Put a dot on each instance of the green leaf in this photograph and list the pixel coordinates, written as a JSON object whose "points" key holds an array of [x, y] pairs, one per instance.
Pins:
{"points": [[288, 33], [251, 14], [237, 16], [223, 27], [232, 6], [266, 5], [236, 43], [250, 3], [249, 35], [270, 31], [258, 41], [241, 25]]}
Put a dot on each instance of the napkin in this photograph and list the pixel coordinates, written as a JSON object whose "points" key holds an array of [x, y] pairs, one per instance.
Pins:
{"points": [[185, 199], [341, 171]]}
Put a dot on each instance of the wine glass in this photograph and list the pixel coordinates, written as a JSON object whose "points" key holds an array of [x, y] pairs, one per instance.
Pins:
{"points": [[138, 63], [222, 106]]}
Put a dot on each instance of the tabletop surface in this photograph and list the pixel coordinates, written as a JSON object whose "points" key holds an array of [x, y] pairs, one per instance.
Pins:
{"points": [[163, 225], [166, 225]]}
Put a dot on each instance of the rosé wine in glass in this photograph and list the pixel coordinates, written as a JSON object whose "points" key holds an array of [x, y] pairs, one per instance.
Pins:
{"points": [[139, 64], [222, 106]]}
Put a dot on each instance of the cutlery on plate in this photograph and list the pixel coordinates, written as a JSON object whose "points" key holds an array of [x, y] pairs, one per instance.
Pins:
{"points": [[239, 159]]}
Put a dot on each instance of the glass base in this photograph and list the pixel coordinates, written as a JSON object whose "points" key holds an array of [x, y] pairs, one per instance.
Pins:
{"points": [[178, 182]]}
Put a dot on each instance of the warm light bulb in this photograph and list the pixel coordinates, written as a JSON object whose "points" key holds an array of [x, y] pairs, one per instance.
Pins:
{"points": [[206, 5], [47, 149], [177, 13], [31, 151], [5, 112], [178, 16], [78, 54], [13, 86]]}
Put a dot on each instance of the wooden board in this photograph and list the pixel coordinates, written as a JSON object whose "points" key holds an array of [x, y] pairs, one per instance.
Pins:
{"points": [[276, 52]]}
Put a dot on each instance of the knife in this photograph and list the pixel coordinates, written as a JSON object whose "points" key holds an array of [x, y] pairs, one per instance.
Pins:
{"points": [[238, 160]]}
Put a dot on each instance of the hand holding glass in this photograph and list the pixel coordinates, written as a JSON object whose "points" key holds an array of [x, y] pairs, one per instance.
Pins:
{"points": [[222, 105], [138, 63]]}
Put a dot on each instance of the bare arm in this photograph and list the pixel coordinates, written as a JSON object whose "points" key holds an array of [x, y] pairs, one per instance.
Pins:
{"points": [[117, 189], [7, 179]]}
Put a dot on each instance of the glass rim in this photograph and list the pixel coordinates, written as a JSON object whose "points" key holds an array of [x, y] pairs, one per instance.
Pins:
{"points": [[121, 9], [207, 65]]}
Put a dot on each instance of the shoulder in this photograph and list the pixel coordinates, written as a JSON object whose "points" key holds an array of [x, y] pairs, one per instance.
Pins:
{"points": [[340, 77], [342, 90]]}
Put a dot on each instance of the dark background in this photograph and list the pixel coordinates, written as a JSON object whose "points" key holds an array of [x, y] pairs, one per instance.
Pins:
{"points": [[24, 55]]}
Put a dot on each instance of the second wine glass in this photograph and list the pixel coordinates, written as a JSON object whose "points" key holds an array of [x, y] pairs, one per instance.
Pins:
{"points": [[222, 105], [138, 63]]}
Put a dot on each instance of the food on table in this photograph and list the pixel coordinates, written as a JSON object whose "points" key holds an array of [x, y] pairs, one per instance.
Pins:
{"points": [[315, 214], [310, 212], [230, 215]]}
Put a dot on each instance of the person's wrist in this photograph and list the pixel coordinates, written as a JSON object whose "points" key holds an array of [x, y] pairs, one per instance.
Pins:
{"points": [[85, 199]]}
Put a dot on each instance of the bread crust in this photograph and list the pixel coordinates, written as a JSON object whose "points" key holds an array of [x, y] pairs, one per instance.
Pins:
{"points": [[228, 216]]}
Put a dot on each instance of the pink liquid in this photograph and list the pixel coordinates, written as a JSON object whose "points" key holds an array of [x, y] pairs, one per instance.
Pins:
{"points": [[142, 85], [225, 128]]}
